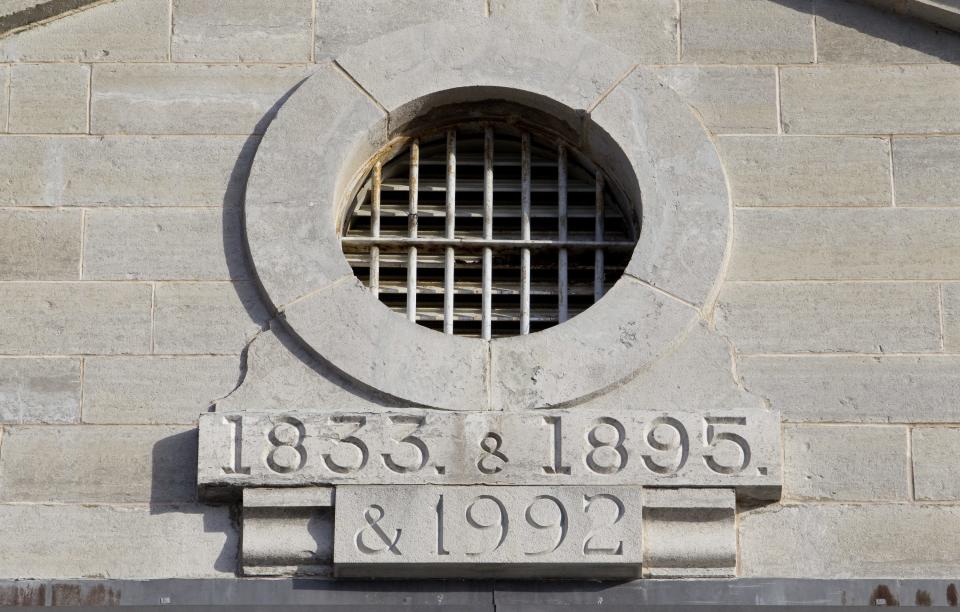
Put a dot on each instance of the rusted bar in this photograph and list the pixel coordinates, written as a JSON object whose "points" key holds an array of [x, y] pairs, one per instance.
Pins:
{"points": [[562, 305], [375, 228], [487, 303], [412, 231], [525, 234], [598, 237], [451, 217]]}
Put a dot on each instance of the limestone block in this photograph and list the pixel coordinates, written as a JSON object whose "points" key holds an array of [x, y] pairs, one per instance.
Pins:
{"points": [[936, 454], [644, 31], [287, 531], [807, 171], [839, 541], [728, 99], [77, 541], [845, 244], [737, 447], [858, 389], [49, 98], [242, 31], [128, 31], [39, 390], [747, 32], [154, 389], [74, 318], [951, 316], [5, 84], [40, 245], [280, 373], [342, 25], [122, 171], [198, 318], [188, 99], [488, 531], [829, 317], [98, 464], [588, 353], [846, 463], [851, 99], [381, 349], [689, 533], [850, 33], [927, 171], [163, 244], [554, 62]]}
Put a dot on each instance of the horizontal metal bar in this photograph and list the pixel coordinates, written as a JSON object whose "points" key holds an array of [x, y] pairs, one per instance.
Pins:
{"points": [[509, 185], [475, 211], [480, 243], [464, 287]]}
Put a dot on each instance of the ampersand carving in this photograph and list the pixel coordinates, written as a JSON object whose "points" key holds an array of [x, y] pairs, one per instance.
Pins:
{"points": [[493, 461], [372, 516]]}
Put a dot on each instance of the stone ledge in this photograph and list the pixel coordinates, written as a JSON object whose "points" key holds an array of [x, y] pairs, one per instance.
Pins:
{"points": [[945, 13]]}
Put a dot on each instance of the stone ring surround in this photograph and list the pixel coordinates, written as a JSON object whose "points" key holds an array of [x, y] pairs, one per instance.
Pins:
{"points": [[330, 128]]}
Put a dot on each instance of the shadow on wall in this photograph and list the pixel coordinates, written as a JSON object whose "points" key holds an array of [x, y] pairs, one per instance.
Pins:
{"points": [[900, 30]]}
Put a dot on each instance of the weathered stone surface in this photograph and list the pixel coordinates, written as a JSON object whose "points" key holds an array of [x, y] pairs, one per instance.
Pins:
{"points": [[840, 244], [40, 245], [604, 346], [679, 178], [74, 318], [561, 531], [201, 318], [645, 31], [98, 464], [927, 171], [852, 99], [848, 33], [689, 533], [57, 541], [737, 447], [936, 454], [154, 389], [342, 25], [859, 389], [39, 390], [850, 541], [553, 62], [287, 541], [747, 32], [4, 86], [48, 98], [187, 99], [122, 171], [667, 382], [128, 31], [729, 99], [168, 244], [807, 171], [951, 316], [846, 462], [321, 136], [829, 317], [378, 347], [281, 373], [301, 497], [242, 31]]}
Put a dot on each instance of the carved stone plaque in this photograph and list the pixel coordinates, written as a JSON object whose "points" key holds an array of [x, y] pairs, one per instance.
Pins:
{"points": [[736, 449], [484, 529]]}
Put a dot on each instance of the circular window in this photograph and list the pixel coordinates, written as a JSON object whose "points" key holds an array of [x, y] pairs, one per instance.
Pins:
{"points": [[487, 230]]}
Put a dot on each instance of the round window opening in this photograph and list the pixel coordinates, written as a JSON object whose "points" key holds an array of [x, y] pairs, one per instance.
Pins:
{"points": [[487, 230]]}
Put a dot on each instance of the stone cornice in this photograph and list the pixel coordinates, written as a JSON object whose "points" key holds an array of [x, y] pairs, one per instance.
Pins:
{"points": [[944, 13], [40, 11]]}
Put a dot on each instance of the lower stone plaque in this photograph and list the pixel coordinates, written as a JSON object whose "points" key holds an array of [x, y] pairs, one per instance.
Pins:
{"points": [[478, 531]]}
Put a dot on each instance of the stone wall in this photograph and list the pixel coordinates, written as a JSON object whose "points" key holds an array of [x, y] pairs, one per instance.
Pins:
{"points": [[126, 301]]}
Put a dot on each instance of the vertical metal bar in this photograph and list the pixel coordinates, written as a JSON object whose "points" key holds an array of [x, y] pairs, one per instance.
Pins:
{"points": [[451, 217], [525, 233], [562, 306], [412, 230], [487, 288], [375, 228], [598, 237]]}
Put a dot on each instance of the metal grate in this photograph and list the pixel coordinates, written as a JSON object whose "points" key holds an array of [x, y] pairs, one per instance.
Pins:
{"points": [[487, 231]]}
